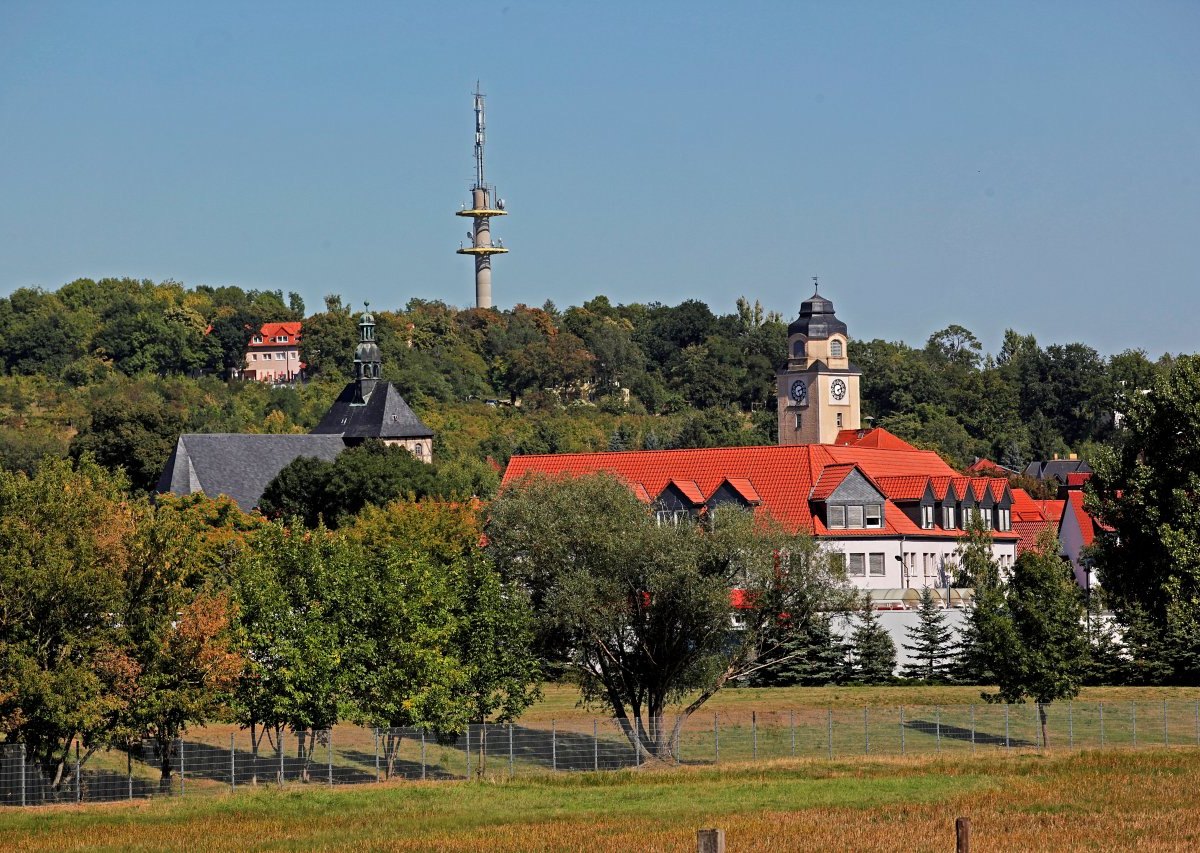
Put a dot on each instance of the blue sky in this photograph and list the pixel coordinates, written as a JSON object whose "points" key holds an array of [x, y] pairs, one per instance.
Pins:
{"points": [[1024, 165]]}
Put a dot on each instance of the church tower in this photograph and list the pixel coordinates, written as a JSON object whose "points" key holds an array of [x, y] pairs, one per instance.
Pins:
{"points": [[817, 390]]}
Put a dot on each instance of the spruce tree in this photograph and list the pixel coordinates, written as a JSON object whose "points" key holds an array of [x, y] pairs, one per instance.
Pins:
{"points": [[873, 654], [810, 656], [931, 645]]}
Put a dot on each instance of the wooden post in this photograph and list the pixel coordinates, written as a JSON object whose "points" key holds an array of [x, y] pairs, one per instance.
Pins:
{"points": [[376, 732], [710, 841], [962, 835], [829, 731], [553, 744], [866, 734], [595, 744], [329, 754], [902, 730], [716, 740], [510, 750], [181, 782], [754, 735], [792, 725]]}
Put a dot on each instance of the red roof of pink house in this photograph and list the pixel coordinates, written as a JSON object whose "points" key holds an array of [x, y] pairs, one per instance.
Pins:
{"points": [[270, 331], [783, 478]]}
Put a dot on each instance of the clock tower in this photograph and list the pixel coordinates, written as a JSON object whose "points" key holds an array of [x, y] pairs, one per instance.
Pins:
{"points": [[817, 390]]}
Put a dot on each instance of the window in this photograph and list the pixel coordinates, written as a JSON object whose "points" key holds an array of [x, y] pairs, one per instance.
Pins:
{"points": [[799, 420], [931, 565], [855, 565], [798, 349], [670, 516], [986, 515], [948, 517], [282, 339], [927, 517], [835, 348], [292, 355], [876, 565], [418, 450], [258, 339], [839, 420], [280, 356], [854, 516], [1005, 521], [874, 515], [837, 516]]}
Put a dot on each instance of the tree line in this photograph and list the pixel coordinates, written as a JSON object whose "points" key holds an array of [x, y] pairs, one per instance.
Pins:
{"points": [[119, 367]]}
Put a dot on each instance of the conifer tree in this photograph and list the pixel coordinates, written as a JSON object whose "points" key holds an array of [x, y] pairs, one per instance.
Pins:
{"points": [[873, 654], [931, 645], [811, 656]]}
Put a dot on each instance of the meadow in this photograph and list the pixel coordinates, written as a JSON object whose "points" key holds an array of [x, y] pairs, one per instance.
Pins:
{"points": [[1037, 801]]}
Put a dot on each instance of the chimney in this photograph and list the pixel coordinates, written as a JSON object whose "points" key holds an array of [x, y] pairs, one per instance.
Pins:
{"points": [[1073, 457]]}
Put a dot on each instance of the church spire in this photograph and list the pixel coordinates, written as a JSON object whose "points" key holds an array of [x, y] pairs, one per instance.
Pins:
{"points": [[367, 361]]}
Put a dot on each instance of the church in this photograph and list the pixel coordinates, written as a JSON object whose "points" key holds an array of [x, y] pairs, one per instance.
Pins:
{"points": [[242, 466], [893, 514]]}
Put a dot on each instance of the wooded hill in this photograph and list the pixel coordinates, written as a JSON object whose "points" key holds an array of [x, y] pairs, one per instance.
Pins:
{"points": [[120, 367]]}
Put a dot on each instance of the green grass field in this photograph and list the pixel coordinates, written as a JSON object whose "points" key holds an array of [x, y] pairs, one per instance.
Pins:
{"points": [[1069, 801]]}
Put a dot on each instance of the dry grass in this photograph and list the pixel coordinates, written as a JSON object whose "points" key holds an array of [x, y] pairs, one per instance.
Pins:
{"points": [[1116, 801]]}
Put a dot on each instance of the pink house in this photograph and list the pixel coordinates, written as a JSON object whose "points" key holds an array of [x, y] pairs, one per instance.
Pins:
{"points": [[273, 354]]}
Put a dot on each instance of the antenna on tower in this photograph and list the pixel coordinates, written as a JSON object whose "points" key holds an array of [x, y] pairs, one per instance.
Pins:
{"points": [[479, 137]]}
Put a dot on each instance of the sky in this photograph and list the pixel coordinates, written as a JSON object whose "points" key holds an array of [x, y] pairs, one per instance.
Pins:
{"points": [[1022, 165]]}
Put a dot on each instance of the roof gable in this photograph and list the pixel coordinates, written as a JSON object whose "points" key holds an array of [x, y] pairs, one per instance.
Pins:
{"points": [[385, 414]]}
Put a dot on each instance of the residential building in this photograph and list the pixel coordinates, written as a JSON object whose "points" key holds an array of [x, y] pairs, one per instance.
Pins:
{"points": [[273, 354]]}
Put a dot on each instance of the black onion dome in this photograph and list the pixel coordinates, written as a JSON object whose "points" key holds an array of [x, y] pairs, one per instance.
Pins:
{"points": [[816, 319], [367, 352]]}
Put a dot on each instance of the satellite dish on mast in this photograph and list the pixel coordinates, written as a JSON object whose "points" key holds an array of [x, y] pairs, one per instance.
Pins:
{"points": [[500, 203]]}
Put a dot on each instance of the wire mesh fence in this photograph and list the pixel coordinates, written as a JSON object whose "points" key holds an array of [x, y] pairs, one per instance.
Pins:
{"points": [[226, 758]]}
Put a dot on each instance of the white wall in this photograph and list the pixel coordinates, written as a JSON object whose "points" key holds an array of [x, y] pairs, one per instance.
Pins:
{"points": [[943, 554], [897, 623]]}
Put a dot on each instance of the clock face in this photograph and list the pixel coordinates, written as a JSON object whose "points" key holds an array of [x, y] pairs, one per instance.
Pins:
{"points": [[837, 389], [799, 391]]}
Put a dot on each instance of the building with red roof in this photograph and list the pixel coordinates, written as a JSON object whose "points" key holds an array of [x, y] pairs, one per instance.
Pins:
{"points": [[895, 516], [273, 354]]}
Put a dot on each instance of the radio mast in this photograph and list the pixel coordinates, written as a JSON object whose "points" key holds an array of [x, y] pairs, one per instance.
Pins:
{"points": [[481, 211]]}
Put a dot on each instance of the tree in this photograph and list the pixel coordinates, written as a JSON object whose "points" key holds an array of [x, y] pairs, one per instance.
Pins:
{"points": [[640, 613], [1037, 646], [811, 655], [1145, 490], [134, 429], [932, 650], [872, 653], [66, 672]]}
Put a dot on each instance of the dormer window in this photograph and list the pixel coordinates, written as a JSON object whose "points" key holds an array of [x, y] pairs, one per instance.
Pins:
{"points": [[258, 339], [837, 517], [835, 348], [1004, 522], [927, 517], [948, 520], [873, 515]]}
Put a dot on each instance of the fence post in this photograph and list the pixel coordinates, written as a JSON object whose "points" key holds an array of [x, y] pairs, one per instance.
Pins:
{"points": [[553, 744], [792, 726], [716, 740], [1102, 725], [754, 736], [1166, 732], [375, 731], [129, 770], [78, 778], [232, 766], [469, 751], [422, 755], [1198, 722], [1071, 724], [595, 744], [938, 724], [282, 771], [637, 745], [329, 755], [1007, 743], [902, 730], [829, 731], [866, 734], [181, 776], [510, 750], [22, 764], [1134, 717]]}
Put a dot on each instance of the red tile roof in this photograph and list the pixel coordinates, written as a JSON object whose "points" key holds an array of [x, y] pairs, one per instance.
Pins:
{"points": [[878, 438], [1078, 478], [906, 487], [940, 486], [1029, 519], [744, 488], [269, 331], [832, 477], [690, 490], [1087, 524], [783, 477]]}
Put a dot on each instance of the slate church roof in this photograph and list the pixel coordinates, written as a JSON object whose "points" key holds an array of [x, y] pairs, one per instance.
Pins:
{"points": [[240, 466], [384, 414]]}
